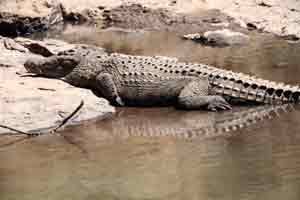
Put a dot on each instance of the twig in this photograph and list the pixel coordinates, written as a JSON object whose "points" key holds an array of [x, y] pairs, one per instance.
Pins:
{"points": [[65, 120], [47, 89], [13, 129]]}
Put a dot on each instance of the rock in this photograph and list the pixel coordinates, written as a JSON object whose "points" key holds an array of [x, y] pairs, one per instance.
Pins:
{"points": [[263, 3], [274, 16], [28, 16], [138, 16], [10, 44], [290, 38], [45, 48], [19, 17], [85, 16], [219, 38], [34, 103]]}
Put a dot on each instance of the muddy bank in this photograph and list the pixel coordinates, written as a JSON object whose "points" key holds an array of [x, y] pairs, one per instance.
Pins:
{"points": [[136, 16], [275, 16], [31, 102], [27, 16]]}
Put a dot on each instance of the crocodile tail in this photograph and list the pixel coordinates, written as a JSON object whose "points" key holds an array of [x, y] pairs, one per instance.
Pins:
{"points": [[250, 88], [239, 120]]}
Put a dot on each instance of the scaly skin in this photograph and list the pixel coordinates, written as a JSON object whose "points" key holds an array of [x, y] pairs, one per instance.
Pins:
{"points": [[150, 81]]}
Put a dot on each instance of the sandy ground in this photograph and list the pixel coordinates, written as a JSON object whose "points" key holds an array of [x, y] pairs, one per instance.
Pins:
{"points": [[31, 103]]}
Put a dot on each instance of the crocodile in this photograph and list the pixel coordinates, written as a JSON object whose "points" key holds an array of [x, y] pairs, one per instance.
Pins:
{"points": [[128, 80]]}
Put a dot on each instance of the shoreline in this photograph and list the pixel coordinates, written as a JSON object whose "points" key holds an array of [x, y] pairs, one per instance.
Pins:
{"points": [[34, 103]]}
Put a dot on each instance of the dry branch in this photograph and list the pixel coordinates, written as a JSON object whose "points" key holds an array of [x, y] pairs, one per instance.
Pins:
{"points": [[64, 121]]}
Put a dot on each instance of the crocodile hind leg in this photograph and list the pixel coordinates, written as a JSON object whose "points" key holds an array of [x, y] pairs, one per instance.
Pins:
{"points": [[106, 87], [195, 95]]}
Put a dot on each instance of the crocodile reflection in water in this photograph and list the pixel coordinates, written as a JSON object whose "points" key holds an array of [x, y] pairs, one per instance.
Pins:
{"points": [[162, 122]]}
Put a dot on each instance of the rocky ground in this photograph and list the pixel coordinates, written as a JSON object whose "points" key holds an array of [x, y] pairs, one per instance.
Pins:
{"points": [[30, 103], [26, 16], [275, 16]]}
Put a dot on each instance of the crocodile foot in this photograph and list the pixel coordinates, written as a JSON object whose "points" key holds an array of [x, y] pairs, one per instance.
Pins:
{"points": [[119, 102], [218, 103]]}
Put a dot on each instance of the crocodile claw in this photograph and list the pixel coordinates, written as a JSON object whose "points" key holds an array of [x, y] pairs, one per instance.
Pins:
{"points": [[218, 103], [119, 101]]}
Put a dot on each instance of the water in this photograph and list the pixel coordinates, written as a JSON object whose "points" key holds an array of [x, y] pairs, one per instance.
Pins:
{"points": [[100, 161]]}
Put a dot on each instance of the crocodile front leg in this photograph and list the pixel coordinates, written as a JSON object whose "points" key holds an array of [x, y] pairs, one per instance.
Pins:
{"points": [[195, 95], [106, 87]]}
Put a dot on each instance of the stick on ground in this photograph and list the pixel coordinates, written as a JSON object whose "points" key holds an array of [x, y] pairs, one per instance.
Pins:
{"points": [[64, 121]]}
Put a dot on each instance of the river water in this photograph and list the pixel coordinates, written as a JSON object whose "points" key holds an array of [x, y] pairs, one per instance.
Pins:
{"points": [[140, 152]]}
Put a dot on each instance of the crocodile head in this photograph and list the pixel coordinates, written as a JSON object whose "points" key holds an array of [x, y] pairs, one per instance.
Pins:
{"points": [[52, 67]]}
